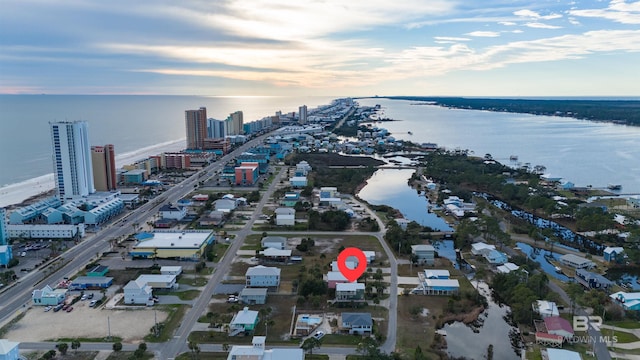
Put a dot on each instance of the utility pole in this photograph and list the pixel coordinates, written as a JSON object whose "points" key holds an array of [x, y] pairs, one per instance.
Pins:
{"points": [[108, 329]]}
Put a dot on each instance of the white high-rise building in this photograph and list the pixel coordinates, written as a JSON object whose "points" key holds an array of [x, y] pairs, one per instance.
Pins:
{"points": [[215, 128], [72, 159]]}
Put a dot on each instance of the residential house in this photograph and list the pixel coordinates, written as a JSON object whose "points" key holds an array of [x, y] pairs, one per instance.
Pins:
{"points": [[545, 308], [271, 254], [436, 282], [257, 351], [334, 278], [592, 280], [436, 274], [558, 326], [244, 321], [224, 205], [173, 212], [576, 261], [628, 301], [350, 291], [481, 248], [290, 199], [262, 276], [214, 218], [285, 216], [171, 270], [424, 254], [138, 292], [370, 255], [276, 242], [351, 264], [495, 257], [561, 354], [356, 323], [48, 296], [613, 254], [307, 323], [253, 296], [159, 281], [507, 268], [298, 181], [9, 350]]}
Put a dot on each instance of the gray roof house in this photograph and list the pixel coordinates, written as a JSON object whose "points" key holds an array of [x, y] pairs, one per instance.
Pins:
{"points": [[276, 242], [357, 323], [425, 254], [253, 296]]}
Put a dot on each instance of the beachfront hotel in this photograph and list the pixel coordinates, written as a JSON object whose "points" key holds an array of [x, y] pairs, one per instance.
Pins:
{"points": [[71, 159], [196, 124], [103, 159], [234, 124]]}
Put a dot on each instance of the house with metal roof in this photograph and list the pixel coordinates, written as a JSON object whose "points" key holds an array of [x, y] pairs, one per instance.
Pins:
{"points": [[9, 350], [276, 242], [613, 254], [257, 351], [591, 280], [351, 291], [262, 276], [138, 292], [253, 296], [558, 326], [576, 261], [243, 321], [628, 301], [425, 254], [356, 323]]}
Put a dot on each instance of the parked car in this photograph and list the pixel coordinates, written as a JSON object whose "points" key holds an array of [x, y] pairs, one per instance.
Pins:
{"points": [[93, 303], [90, 296], [65, 307], [69, 309], [58, 307], [319, 335], [47, 308]]}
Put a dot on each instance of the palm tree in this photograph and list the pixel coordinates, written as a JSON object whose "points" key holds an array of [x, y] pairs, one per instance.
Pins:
{"points": [[225, 347], [310, 344], [75, 345]]}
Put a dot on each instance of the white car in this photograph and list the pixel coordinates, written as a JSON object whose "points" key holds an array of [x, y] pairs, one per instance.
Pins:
{"points": [[48, 308], [319, 335]]}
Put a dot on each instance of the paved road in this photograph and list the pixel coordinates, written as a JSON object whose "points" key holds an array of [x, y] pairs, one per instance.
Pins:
{"points": [[178, 343]]}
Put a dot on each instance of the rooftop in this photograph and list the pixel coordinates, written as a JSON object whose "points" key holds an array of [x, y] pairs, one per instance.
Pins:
{"points": [[183, 240]]}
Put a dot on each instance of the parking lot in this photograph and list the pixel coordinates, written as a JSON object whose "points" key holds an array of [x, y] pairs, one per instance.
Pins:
{"points": [[85, 322]]}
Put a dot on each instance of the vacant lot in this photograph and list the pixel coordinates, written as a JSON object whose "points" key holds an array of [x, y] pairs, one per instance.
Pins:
{"points": [[84, 322]]}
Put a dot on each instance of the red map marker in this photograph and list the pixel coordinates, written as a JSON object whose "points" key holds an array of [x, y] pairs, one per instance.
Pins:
{"points": [[352, 274]]}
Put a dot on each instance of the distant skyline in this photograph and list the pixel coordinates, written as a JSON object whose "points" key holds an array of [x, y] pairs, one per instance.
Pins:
{"points": [[329, 48]]}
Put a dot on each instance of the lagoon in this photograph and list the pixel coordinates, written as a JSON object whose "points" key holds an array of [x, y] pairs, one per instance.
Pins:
{"points": [[389, 187]]}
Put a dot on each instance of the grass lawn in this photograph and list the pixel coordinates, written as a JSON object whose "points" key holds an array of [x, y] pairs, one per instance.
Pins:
{"points": [[627, 324], [421, 329], [168, 327], [219, 250], [193, 281], [344, 340], [623, 337], [126, 355]]}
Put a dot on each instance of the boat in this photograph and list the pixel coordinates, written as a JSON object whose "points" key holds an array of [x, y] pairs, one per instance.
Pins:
{"points": [[513, 157], [558, 270], [409, 132], [614, 186]]}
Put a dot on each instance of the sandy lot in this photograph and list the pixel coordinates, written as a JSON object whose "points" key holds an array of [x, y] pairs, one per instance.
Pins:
{"points": [[83, 321]]}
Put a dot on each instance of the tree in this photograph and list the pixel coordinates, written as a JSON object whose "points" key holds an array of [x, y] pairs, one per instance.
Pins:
{"points": [[75, 345], [310, 344], [195, 349], [117, 346], [225, 347], [62, 347]]}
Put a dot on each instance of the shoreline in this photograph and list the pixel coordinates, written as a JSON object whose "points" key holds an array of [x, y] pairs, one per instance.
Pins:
{"points": [[16, 194]]}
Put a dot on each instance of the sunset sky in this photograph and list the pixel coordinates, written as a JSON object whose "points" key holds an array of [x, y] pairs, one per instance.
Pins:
{"points": [[324, 47]]}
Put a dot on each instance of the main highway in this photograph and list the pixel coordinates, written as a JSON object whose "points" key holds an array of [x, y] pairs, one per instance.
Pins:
{"points": [[18, 296]]}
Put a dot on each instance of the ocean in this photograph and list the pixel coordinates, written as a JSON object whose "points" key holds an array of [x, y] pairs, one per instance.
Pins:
{"points": [[583, 152], [138, 125]]}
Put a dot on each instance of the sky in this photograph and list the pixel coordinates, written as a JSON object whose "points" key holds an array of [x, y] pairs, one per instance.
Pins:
{"points": [[323, 47]]}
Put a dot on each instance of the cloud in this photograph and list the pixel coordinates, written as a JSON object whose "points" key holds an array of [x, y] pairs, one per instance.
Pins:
{"points": [[507, 23], [538, 25], [526, 13], [618, 11], [574, 21], [484, 33], [450, 38]]}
